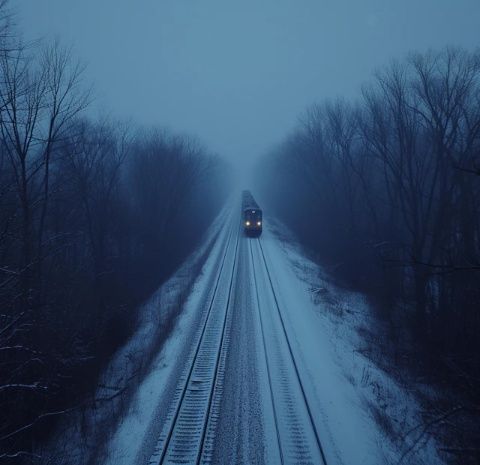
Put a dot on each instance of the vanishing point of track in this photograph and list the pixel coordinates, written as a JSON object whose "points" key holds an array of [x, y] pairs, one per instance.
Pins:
{"points": [[188, 434]]}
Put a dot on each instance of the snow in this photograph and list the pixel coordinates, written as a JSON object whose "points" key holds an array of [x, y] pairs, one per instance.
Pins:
{"points": [[350, 393], [127, 445], [359, 410], [88, 436]]}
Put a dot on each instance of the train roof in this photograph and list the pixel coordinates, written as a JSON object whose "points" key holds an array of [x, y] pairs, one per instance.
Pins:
{"points": [[248, 202]]}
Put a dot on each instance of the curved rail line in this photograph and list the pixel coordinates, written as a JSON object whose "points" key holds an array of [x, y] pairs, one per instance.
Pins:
{"points": [[292, 357], [190, 398]]}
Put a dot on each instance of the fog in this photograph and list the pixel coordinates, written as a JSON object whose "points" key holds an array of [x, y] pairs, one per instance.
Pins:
{"points": [[237, 74], [130, 276]]}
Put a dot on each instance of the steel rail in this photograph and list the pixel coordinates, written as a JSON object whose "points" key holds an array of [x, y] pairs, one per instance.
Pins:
{"points": [[219, 352], [269, 376], [197, 351], [297, 373]]}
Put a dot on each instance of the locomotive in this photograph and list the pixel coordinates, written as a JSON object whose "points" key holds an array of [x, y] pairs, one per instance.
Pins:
{"points": [[251, 215]]}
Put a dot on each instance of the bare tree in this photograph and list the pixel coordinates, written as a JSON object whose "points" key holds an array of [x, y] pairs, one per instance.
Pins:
{"points": [[64, 99], [38, 101], [94, 155], [400, 170]]}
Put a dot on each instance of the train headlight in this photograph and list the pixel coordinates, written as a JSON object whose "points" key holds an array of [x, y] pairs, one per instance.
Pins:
{"points": [[247, 223], [259, 223]]}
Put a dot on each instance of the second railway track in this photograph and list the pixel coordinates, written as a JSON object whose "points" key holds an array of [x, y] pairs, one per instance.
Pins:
{"points": [[298, 440]]}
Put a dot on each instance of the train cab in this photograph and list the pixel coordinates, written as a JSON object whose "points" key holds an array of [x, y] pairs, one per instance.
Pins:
{"points": [[252, 221], [252, 216]]}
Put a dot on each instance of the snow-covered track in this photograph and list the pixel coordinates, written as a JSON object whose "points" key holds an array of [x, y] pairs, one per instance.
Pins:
{"points": [[187, 435], [298, 440]]}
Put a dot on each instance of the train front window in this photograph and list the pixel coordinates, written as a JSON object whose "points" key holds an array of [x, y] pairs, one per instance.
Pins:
{"points": [[253, 217]]}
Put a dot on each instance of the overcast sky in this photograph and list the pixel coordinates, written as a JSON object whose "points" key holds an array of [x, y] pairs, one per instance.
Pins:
{"points": [[237, 73]]}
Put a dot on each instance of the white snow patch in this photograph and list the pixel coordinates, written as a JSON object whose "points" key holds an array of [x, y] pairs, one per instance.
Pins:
{"points": [[353, 397], [77, 440], [128, 440]]}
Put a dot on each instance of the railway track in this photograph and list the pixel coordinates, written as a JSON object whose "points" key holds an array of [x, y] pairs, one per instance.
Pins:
{"points": [[187, 436], [298, 440]]}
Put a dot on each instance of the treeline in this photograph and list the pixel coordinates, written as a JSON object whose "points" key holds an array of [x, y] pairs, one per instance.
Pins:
{"points": [[94, 215], [386, 192]]}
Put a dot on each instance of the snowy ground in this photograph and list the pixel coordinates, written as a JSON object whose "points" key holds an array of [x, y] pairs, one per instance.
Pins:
{"points": [[360, 412], [365, 413], [134, 376]]}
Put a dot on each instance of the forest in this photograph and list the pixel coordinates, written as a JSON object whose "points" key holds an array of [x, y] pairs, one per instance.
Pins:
{"points": [[385, 193], [94, 215], [381, 192]]}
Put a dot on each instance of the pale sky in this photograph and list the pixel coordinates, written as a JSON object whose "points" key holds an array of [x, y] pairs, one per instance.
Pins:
{"points": [[238, 73]]}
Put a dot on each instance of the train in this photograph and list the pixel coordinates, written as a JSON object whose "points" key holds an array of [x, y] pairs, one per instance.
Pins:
{"points": [[252, 216]]}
